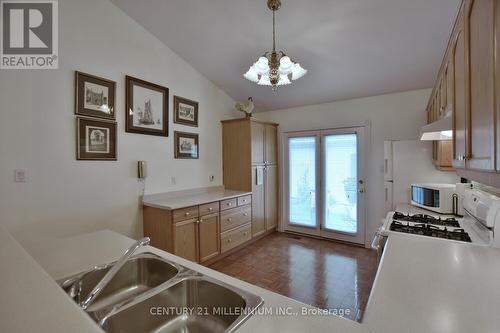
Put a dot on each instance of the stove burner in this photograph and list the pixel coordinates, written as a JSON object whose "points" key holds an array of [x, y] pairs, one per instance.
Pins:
{"points": [[431, 231], [427, 219]]}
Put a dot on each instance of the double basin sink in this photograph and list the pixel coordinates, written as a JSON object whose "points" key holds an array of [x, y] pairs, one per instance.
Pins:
{"points": [[151, 294]]}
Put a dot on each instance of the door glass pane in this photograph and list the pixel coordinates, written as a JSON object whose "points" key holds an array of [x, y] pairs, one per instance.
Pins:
{"points": [[340, 186], [302, 180]]}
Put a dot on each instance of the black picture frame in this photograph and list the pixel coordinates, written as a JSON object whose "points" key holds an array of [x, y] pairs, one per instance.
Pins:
{"points": [[103, 132], [178, 117], [94, 96], [148, 114], [179, 150]]}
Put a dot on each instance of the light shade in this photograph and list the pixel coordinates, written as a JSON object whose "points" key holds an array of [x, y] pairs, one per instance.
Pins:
{"points": [[298, 72], [286, 65], [262, 66], [252, 75]]}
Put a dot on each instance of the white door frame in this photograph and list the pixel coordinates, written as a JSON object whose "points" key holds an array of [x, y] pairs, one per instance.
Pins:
{"points": [[287, 225], [319, 230]]}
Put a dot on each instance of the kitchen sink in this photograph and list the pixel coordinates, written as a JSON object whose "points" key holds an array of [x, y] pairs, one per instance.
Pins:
{"points": [[194, 304], [151, 294], [139, 274]]}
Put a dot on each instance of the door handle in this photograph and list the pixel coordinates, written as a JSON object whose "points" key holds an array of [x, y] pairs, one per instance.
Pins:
{"points": [[361, 188]]}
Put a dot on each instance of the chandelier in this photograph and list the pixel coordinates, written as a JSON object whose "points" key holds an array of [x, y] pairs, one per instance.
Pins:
{"points": [[274, 68]]}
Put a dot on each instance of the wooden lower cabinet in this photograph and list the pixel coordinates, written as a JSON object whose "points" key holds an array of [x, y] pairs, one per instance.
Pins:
{"points": [[193, 234], [235, 217], [185, 239], [208, 231], [235, 237]]}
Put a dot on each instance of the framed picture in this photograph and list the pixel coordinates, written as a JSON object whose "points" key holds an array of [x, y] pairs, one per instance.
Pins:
{"points": [[147, 107], [95, 96], [186, 145], [185, 111], [96, 139]]}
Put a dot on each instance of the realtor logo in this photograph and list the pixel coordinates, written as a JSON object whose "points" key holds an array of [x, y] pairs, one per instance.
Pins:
{"points": [[29, 35]]}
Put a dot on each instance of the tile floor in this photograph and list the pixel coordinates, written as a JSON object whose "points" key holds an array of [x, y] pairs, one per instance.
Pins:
{"points": [[321, 273]]}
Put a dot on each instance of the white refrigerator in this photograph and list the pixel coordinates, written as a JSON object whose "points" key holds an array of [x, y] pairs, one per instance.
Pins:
{"points": [[406, 163]]}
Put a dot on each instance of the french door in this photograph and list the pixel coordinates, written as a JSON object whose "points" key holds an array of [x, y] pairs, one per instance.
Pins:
{"points": [[324, 183]]}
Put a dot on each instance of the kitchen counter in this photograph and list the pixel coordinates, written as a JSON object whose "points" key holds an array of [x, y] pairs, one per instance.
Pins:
{"points": [[31, 300], [176, 200], [430, 285], [27, 289], [422, 285]]}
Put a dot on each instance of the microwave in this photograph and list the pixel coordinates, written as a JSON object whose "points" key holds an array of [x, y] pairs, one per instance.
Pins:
{"points": [[435, 197]]}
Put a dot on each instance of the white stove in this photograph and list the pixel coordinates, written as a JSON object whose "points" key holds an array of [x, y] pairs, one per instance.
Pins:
{"points": [[479, 225]]}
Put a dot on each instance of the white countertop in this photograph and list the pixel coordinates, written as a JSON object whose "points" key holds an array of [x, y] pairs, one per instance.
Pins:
{"points": [[27, 289], [30, 299], [423, 285], [430, 285], [167, 201]]}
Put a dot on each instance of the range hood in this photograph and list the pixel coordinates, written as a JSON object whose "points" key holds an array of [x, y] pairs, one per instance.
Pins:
{"points": [[439, 130]]}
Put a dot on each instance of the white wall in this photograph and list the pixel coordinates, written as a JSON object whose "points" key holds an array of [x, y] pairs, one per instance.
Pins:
{"points": [[37, 130], [392, 117]]}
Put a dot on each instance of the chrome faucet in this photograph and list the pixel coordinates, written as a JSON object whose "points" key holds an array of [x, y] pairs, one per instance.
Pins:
{"points": [[112, 272]]}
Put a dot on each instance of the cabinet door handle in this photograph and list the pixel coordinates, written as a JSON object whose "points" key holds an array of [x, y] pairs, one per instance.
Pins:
{"points": [[229, 204], [229, 219], [245, 214], [229, 240], [245, 233], [201, 220], [188, 213], [210, 209]]}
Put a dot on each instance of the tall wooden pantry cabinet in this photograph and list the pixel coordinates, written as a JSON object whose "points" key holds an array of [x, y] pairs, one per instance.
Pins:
{"points": [[250, 163]]}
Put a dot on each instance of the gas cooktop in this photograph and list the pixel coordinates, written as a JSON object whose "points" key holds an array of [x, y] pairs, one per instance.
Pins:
{"points": [[427, 219], [431, 231]]}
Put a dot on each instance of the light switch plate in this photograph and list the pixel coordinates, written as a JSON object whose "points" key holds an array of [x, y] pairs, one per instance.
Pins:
{"points": [[20, 176]]}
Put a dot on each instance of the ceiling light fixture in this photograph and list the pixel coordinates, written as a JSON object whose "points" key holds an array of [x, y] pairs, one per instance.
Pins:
{"points": [[274, 68]]}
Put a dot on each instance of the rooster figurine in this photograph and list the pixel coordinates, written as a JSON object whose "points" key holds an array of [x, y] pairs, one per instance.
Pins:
{"points": [[246, 107]]}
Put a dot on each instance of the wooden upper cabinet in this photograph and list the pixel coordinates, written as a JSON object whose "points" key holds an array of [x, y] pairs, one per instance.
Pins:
{"points": [[450, 84], [271, 145], [237, 146], [481, 40], [443, 93], [443, 151], [271, 187], [258, 131], [460, 108], [258, 201]]}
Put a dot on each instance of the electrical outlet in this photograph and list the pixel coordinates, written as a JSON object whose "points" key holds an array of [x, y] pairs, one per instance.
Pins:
{"points": [[173, 181], [211, 178], [20, 176]]}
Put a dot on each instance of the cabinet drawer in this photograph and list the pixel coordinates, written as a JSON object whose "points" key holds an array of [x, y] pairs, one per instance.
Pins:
{"points": [[228, 204], [185, 213], [209, 208], [246, 200], [235, 217], [233, 238]]}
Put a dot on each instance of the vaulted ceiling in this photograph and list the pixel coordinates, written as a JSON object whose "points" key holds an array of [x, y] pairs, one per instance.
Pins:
{"points": [[351, 48]]}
